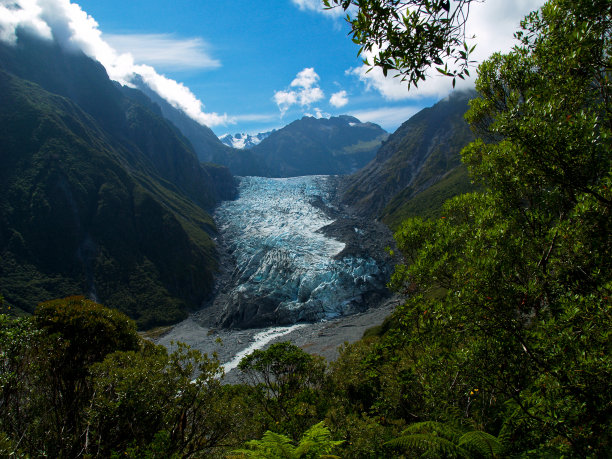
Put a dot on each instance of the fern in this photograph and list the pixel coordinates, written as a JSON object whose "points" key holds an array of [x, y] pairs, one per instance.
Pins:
{"points": [[437, 439], [481, 443], [444, 430], [315, 443], [429, 445]]}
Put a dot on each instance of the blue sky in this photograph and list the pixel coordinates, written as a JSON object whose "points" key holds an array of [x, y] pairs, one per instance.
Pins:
{"points": [[254, 65]]}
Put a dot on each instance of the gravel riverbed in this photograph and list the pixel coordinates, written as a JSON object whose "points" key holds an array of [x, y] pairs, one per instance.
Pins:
{"points": [[321, 338]]}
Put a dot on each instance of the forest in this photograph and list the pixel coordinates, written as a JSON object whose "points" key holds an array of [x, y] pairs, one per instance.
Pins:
{"points": [[501, 347]]}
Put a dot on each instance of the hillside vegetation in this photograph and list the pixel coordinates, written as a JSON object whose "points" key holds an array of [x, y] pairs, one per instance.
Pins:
{"points": [[420, 153], [93, 187], [500, 348]]}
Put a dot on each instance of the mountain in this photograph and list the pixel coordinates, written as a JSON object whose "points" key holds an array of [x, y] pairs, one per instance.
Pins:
{"points": [[423, 152], [311, 146], [99, 194], [204, 141], [244, 141], [207, 146]]}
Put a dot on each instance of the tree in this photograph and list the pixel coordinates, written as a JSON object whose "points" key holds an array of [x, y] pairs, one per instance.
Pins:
{"points": [[152, 402], [514, 282], [45, 368], [288, 384], [409, 36]]}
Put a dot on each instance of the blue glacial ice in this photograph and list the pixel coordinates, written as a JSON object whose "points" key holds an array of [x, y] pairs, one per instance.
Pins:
{"points": [[286, 269]]}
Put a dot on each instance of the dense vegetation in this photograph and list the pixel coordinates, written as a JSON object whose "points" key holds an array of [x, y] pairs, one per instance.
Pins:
{"points": [[93, 180], [501, 348]]}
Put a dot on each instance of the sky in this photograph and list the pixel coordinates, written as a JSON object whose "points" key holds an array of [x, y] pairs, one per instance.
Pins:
{"points": [[249, 65]]}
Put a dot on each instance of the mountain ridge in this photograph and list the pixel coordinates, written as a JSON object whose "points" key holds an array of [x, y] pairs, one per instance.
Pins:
{"points": [[319, 146], [94, 186], [420, 153]]}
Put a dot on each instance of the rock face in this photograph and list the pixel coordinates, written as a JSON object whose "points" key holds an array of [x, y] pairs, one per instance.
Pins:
{"points": [[286, 269], [416, 156], [310, 146]]}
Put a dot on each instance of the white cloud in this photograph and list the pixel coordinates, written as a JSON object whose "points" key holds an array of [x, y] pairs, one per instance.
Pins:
{"points": [[73, 28], [318, 7], [12, 16], [318, 114], [493, 24], [307, 78], [388, 117], [284, 100], [308, 96], [338, 99], [164, 50], [307, 91]]}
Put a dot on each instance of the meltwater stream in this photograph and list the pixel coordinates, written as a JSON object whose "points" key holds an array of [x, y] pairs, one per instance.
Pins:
{"points": [[286, 269]]}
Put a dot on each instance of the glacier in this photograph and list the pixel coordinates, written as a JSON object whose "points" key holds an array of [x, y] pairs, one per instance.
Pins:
{"points": [[285, 268]]}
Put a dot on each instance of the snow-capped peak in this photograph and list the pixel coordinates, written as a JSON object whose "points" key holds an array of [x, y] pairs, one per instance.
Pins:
{"points": [[243, 141]]}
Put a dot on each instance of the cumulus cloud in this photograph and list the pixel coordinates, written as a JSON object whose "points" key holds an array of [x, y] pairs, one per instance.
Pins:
{"points": [[318, 7], [73, 28], [306, 92], [387, 117], [164, 50], [338, 99], [492, 24], [318, 114]]}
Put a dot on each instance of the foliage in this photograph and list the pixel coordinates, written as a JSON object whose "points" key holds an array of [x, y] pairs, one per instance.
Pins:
{"points": [[78, 381], [45, 381], [435, 439], [525, 265], [149, 399], [410, 36], [315, 443], [288, 384], [428, 203]]}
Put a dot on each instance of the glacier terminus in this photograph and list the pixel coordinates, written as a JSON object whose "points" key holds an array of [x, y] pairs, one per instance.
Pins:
{"points": [[285, 266]]}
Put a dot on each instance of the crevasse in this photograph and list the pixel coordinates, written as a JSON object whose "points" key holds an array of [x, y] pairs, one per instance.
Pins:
{"points": [[282, 257]]}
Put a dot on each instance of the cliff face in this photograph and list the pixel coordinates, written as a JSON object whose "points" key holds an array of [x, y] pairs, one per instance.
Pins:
{"points": [[338, 145], [99, 194], [419, 154]]}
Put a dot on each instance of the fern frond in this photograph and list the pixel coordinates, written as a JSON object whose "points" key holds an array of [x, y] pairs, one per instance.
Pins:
{"points": [[481, 443], [271, 445], [428, 444], [317, 440], [441, 429]]}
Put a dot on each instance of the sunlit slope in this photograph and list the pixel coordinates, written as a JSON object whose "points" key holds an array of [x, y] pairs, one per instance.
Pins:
{"points": [[422, 152]]}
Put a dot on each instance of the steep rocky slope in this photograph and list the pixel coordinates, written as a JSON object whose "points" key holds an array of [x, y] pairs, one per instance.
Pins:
{"points": [[422, 152], [310, 146]]}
